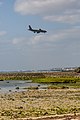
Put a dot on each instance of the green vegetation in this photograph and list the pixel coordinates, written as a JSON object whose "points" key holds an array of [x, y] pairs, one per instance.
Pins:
{"points": [[20, 76], [53, 76], [59, 82], [56, 80]]}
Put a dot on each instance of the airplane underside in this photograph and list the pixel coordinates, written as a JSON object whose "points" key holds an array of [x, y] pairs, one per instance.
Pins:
{"points": [[36, 31]]}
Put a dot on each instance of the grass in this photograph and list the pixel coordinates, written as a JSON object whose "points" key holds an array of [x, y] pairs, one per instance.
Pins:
{"points": [[59, 82], [56, 80]]}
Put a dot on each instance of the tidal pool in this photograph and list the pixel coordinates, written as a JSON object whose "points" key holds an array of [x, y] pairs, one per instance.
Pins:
{"points": [[17, 85]]}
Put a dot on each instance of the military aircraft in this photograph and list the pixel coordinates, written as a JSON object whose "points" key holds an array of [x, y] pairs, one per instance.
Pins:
{"points": [[36, 30]]}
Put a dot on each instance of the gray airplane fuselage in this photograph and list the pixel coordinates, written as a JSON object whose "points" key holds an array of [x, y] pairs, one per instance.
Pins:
{"points": [[36, 30]]}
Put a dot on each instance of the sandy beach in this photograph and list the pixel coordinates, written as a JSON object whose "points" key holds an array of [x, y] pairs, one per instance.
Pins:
{"points": [[39, 103]]}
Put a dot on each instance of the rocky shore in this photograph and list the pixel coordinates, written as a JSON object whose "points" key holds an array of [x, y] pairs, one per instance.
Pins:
{"points": [[39, 103]]}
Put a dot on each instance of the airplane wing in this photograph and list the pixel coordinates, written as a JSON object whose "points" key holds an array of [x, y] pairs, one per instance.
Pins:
{"points": [[36, 30]]}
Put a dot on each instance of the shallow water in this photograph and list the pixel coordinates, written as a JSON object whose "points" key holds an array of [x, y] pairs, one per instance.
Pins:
{"points": [[11, 85]]}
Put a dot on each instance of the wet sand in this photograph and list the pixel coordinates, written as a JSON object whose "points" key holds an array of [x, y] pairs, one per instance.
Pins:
{"points": [[38, 104]]}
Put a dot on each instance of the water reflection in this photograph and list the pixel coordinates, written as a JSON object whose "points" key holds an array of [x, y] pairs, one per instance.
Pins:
{"points": [[19, 85], [12, 85]]}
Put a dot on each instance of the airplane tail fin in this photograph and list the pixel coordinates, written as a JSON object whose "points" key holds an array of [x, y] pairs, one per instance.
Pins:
{"points": [[30, 28]]}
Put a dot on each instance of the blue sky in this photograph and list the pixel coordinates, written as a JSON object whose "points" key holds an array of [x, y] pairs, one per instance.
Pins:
{"points": [[21, 49]]}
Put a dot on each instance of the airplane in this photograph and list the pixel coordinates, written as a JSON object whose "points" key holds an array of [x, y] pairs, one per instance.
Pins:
{"points": [[36, 30]]}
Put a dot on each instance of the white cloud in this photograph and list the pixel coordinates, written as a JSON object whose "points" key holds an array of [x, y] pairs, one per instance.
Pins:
{"points": [[43, 39], [48, 6], [2, 33], [15, 41], [52, 10], [64, 37], [19, 41], [72, 19], [32, 7], [60, 35]]}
